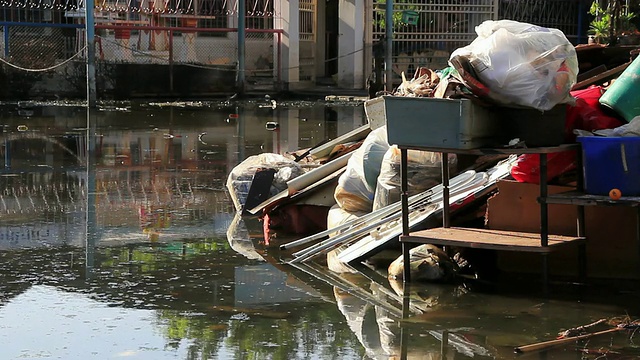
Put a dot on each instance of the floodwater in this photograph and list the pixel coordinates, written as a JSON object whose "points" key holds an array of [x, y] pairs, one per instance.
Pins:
{"points": [[133, 251]]}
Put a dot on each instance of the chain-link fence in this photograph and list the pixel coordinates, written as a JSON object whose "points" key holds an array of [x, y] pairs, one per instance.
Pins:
{"points": [[425, 34], [134, 60], [570, 16]]}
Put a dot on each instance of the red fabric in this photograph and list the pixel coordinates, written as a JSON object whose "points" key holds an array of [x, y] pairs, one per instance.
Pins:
{"points": [[585, 115], [527, 168], [295, 219]]}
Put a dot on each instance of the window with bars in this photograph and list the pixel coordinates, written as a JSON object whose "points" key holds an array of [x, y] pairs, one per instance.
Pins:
{"points": [[259, 14], [307, 20]]}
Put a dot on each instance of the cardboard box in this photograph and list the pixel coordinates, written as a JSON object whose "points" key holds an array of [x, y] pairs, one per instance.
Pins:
{"points": [[612, 246]]}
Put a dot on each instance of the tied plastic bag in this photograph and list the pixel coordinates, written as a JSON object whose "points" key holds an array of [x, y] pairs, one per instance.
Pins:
{"points": [[427, 263], [357, 185], [423, 168], [522, 64], [241, 177]]}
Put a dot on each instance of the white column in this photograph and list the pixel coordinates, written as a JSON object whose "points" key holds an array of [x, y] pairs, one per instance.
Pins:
{"points": [[349, 118], [285, 139], [321, 43], [351, 41], [288, 19]]}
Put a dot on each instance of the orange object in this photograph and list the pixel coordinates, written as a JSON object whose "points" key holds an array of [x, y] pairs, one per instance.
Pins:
{"points": [[615, 194]]}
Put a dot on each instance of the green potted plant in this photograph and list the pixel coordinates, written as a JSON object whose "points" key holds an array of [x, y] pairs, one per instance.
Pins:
{"points": [[611, 23]]}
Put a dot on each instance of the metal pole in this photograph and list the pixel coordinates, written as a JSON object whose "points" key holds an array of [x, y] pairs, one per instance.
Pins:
{"points": [[171, 73], [279, 60], [91, 55], [6, 40], [389, 46], [7, 154], [404, 199], [445, 190], [91, 132], [241, 38]]}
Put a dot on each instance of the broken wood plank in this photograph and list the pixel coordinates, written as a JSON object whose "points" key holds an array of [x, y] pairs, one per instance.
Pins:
{"points": [[592, 72], [551, 343], [602, 77]]}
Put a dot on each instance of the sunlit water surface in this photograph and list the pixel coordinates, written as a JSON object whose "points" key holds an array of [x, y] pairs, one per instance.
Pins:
{"points": [[167, 271]]}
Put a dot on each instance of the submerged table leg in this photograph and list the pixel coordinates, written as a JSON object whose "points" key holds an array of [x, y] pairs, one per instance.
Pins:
{"points": [[444, 344], [638, 230], [582, 249], [404, 333], [544, 220]]}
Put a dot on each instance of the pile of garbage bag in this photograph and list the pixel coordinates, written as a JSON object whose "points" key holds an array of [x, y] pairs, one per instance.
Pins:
{"points": [[372, 176], [510, 63], [522, 64]]}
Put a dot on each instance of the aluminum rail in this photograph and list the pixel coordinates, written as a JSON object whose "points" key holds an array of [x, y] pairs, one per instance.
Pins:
{"points": [[463, 178]]}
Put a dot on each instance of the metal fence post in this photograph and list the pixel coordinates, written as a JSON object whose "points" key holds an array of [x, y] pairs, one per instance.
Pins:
{"points": [[241, 39], [388, 56]]}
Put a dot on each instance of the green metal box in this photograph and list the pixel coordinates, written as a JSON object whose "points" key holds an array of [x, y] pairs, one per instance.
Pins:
{"points": [[439, 123]]}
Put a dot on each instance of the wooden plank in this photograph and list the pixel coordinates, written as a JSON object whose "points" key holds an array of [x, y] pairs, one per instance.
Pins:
{"points": [[582, 199], [494, 151], [489, 239], [591, 73], [602, 77]]}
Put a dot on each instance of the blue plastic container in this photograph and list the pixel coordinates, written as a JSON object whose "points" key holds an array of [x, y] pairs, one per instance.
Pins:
{"points": [[611, 163]]}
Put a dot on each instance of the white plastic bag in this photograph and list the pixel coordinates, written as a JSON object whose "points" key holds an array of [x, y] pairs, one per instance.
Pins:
{"points": [[632, 128], [357, 185], [523, 64], [241, 177], [424, 170]]}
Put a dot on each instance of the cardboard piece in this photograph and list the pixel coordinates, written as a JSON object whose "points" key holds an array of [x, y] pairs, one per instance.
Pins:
{"points": [[612, 246]]}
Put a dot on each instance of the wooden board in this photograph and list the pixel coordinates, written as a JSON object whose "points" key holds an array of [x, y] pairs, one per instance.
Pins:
{"points": [[582, 199], [601, 78], [489, 239]]}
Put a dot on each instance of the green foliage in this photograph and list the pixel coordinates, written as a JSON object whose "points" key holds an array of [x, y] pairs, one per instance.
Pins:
{"points": [[380, 17], [601, 27]]}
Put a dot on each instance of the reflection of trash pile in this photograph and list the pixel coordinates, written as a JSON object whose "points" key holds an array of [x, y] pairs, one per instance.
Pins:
{"points": [[153, 219], [240, 239]]}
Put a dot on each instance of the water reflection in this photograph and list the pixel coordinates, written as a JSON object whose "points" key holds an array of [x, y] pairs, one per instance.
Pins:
{"points": [[175, 273], [163, 274]]}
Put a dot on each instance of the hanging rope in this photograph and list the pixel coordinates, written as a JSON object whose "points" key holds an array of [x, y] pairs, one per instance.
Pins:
{"points": [[45, 69]]}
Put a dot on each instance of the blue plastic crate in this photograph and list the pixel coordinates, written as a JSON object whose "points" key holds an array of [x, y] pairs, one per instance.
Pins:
{"points": [[611, 163]]}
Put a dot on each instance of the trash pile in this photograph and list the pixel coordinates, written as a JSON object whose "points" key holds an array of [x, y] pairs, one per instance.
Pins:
{"points": [[515, 65], [510, 64], [519, 65]]}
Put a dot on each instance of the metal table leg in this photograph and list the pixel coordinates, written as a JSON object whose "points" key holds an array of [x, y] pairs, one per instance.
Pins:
{"points": [[404, 197], [445, 190], [582, 249], [544, 221]]}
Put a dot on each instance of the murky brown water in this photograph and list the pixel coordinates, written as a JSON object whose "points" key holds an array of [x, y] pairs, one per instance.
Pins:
{"points": [[164, 270]]}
